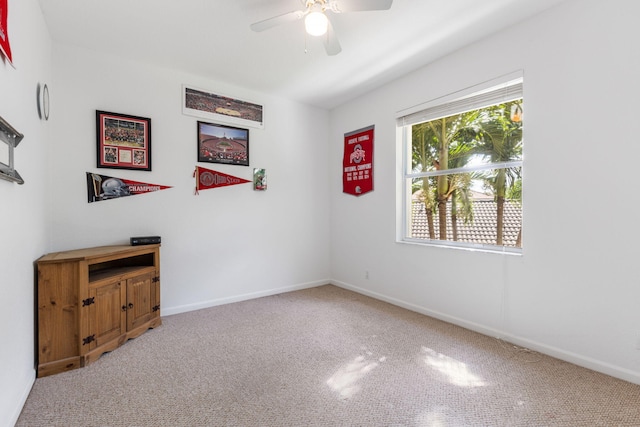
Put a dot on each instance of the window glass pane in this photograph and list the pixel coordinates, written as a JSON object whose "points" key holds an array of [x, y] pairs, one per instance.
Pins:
{"points": [[479, 208], [489, 135]]}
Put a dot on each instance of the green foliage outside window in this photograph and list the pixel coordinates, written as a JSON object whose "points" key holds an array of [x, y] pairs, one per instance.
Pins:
{"points": [[467, 159]]}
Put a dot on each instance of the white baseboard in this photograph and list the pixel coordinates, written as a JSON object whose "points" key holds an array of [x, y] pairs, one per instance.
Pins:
{"points": [[168, 311], [22, 399], [567, 356]]}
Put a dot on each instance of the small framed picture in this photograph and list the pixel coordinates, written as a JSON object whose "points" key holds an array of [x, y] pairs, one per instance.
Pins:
{"points": [[123, 141], [223, 144], [259, 179]]}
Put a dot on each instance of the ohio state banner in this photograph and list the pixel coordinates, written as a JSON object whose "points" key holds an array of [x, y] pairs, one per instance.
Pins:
{"points": [[207, 178], [357, 163], [103, 187], [4, 33]]}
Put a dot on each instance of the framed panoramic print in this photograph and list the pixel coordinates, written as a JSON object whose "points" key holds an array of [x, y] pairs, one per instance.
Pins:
{"points": [[221, 108], [123, 141], [223, 144]]}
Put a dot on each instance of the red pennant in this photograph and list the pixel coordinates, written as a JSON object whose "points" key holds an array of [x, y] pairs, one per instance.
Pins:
{"points": [[207, 178], [103, 187], [5, 48]]}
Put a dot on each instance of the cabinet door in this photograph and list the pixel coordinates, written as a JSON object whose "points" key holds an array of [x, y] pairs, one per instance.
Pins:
{"points": [[58, 323], [107, 318], [140, 300]]}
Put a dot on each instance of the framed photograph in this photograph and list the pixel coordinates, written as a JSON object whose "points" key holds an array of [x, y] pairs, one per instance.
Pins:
{"points": [[221, 108], [223, 144], [123, 141], [259, 179]]}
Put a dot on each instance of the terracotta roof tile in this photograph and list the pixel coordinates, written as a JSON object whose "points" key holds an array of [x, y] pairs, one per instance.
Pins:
{"points": [[481, 230]]}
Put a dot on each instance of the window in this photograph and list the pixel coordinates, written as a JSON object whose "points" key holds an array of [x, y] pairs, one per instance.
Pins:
{"points": [[462, 169]]}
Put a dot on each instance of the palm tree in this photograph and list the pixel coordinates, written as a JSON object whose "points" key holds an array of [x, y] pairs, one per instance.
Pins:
{"points": [[501, 141], [456, 136], [515, 193], [424, 145]]}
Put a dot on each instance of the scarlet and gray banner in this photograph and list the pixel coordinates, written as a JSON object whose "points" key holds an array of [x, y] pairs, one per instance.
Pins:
{"points": [[5, 48], [207, 178], [103, 187], [357, 163]]}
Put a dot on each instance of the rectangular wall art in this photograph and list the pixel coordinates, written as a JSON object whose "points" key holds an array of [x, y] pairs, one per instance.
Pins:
{"points": [[223, 144], [260, 179], [221, 108], [123, 141], [357, 162]]}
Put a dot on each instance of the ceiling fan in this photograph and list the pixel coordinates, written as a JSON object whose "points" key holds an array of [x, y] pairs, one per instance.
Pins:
{"points": [[317, 22]]}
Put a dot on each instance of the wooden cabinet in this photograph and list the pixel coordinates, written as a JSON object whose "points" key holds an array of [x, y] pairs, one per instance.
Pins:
{"points": [[92, 300]]}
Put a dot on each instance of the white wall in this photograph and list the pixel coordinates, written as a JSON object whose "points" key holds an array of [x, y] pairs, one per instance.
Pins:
{"points": [[574, 293], [222, 245], [23, 208]]}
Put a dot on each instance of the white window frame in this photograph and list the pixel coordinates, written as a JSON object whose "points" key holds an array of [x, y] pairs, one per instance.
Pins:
{"points": [[496, 91]]}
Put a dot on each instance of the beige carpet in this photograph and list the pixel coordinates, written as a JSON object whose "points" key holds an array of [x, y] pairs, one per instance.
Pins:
{"points": [[325, 357]]}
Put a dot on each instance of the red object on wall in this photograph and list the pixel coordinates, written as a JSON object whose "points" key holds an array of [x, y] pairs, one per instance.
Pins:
{"points": [[207, 178], [4, 34], [357, 163], [103, 187]]}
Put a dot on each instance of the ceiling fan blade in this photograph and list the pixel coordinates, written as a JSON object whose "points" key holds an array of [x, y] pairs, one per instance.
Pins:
{"points": [[340, 6], [331, 43], [277, 20]]}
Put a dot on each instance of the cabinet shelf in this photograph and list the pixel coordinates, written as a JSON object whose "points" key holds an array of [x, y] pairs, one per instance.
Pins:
{"points": [[116, 273]]}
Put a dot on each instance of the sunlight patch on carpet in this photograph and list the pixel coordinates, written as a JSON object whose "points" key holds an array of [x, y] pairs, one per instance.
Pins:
{"points": [[344, 381], [457, 372]]}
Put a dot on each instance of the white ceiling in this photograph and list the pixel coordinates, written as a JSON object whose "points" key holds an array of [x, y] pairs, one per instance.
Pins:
{"points": [[212, 38]]}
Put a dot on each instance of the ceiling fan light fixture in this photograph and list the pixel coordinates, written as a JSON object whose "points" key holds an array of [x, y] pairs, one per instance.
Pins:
{"points": [[316, 23]]}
